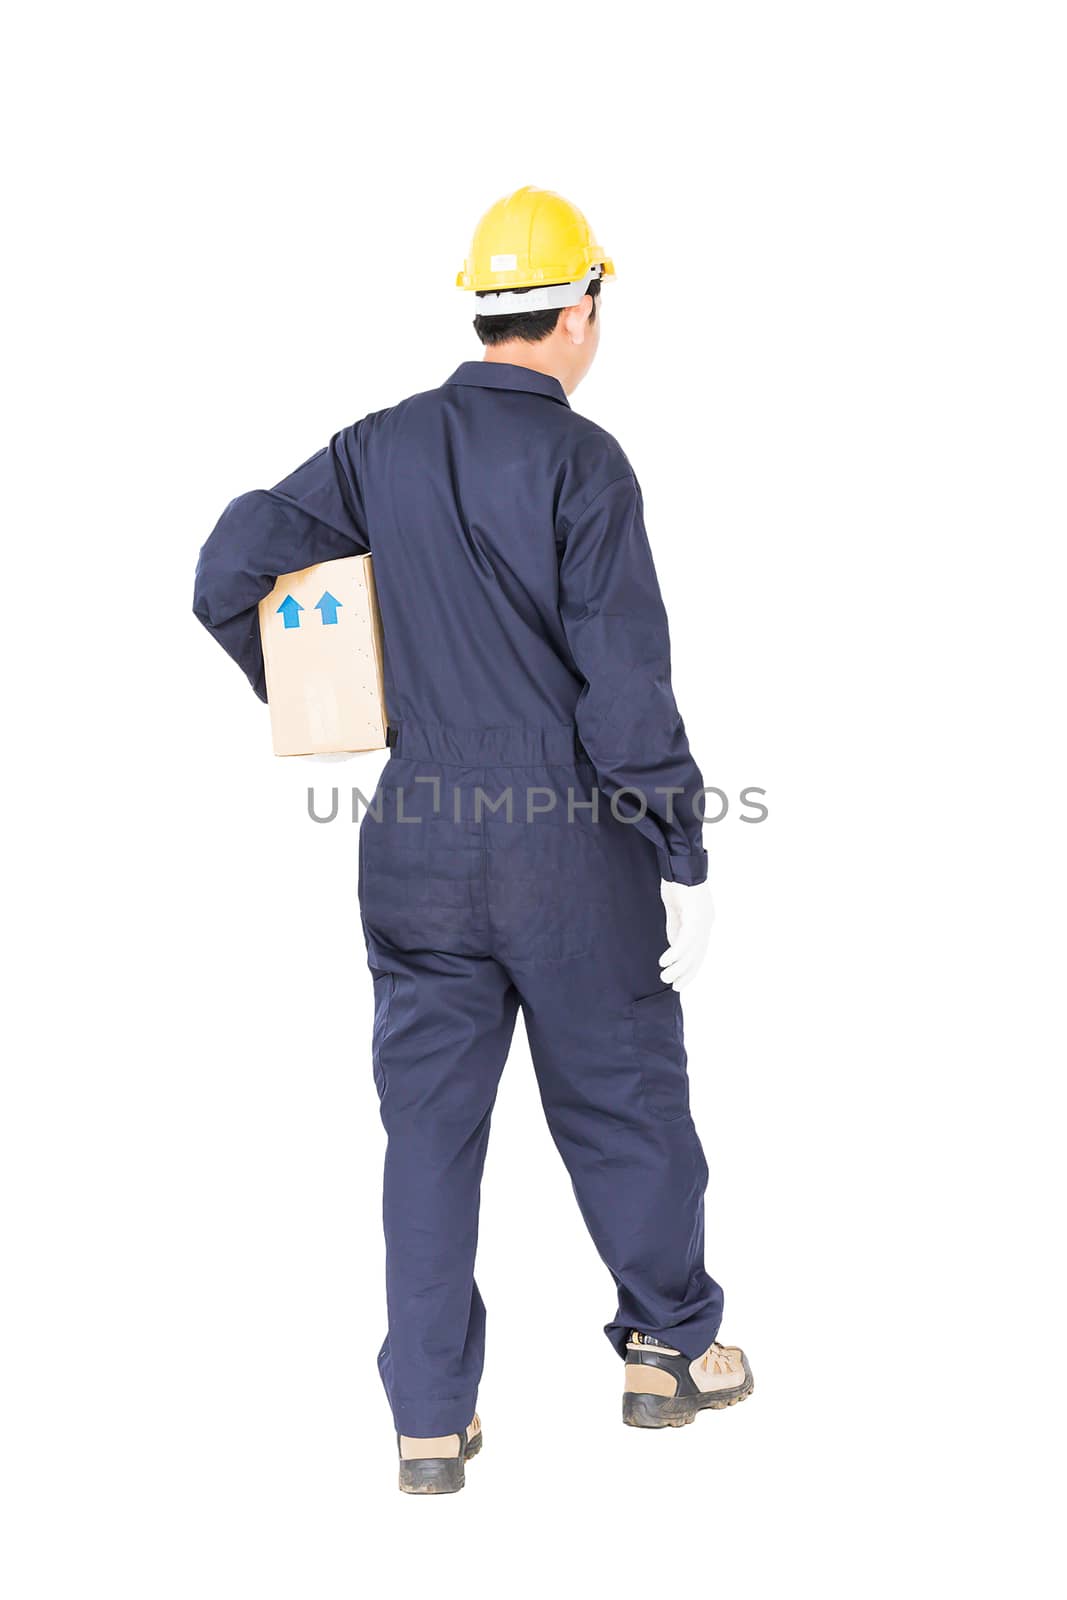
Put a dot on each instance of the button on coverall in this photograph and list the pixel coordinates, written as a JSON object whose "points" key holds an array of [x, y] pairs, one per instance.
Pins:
{"points": [[540, 786]]}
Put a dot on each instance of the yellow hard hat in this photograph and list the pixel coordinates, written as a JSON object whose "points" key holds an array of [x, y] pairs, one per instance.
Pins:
{"points": [[535, 240]]}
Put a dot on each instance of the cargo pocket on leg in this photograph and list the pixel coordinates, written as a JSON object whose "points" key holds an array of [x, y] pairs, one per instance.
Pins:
{"points": [[384, 989], [656, 1024]]}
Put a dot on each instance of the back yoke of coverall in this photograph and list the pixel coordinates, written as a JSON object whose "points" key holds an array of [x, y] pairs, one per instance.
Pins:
{"points": [[527, 680]]}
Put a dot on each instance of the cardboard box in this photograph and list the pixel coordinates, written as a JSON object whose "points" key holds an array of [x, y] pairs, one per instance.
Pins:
{"points": [[322, 649]]}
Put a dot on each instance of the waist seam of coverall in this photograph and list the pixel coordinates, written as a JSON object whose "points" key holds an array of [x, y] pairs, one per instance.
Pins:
{"points": [[515, 746], [497, 766]]}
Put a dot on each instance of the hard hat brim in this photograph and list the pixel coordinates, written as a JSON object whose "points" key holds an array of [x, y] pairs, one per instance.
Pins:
{"points": [[516, 277]]}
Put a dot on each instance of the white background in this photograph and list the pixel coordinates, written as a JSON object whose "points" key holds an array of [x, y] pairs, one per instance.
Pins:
{"points": [[835, 355]]}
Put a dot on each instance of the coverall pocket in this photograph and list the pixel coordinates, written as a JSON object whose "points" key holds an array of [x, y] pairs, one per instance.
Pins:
{"points": [[384, 989], [419, 878], [656, 1024]]}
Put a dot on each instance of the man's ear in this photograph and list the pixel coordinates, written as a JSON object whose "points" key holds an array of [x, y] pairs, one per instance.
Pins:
{"points": [[575, 319]]}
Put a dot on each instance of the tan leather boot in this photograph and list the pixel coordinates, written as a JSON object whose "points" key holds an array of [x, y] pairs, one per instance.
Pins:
{"points": [[435, 1466], [665, 1389]]}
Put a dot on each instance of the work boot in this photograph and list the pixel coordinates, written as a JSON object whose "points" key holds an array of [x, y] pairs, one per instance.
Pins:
{"points": [[435, 1466], [665, 1389]]}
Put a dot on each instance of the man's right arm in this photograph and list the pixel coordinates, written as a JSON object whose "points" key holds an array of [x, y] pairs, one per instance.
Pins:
{"points": [[316, 514]]}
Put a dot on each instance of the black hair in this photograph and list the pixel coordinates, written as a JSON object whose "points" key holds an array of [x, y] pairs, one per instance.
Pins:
{"points": [[530, 326]]}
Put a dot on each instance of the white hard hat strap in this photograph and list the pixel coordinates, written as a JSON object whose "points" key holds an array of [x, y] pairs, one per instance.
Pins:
{"points": [[509, 302]]}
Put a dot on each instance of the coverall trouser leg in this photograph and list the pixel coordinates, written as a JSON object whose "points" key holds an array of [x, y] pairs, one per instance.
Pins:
{"points": [[613, 1084], [443, 1026]]}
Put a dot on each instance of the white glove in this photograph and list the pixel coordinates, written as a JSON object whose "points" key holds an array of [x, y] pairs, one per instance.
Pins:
{"points": [[690, 914], [332, 755]]}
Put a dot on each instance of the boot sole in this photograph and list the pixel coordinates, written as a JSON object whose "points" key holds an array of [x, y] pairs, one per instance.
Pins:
{"points": [[438, 1474], [674, 1411]]}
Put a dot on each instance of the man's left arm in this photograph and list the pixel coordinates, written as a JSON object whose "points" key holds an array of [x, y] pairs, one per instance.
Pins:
{"points": [[627, 718]]}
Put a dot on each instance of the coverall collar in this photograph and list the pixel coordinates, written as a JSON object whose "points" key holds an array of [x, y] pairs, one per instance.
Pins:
{"points": [[505, 375]]}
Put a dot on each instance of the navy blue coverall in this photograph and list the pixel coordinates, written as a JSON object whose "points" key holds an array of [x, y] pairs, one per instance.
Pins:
{"points": [[527, 678]]}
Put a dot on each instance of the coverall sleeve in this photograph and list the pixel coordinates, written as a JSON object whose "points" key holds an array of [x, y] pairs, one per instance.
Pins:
{"points": [[316, 514], [627, 718]]}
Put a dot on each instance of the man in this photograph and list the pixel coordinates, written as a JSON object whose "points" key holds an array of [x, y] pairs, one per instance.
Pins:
{"points": [[540, 789]]}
